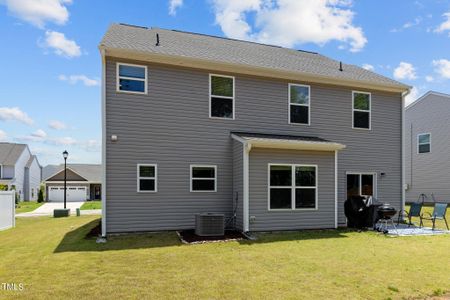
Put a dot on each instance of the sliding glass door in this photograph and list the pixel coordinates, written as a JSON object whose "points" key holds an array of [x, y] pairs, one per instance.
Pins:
{"points": [[361, 184]]}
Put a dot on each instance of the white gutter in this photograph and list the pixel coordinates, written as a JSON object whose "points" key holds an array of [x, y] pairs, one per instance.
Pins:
{"points": [[102, 52]]}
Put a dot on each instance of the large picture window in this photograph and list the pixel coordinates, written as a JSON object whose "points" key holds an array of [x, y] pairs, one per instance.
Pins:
{"points": [[203, 178], [424, 143], [221, 96], [147, 178], [292, 187], [299, 104], [131, 78], [361, 110]]}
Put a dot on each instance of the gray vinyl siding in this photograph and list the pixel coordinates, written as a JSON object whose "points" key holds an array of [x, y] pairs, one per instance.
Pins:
{"points": [[265, 220], [238, 188], [34, 180], [428, 173], [171, 127], [19, 173]]}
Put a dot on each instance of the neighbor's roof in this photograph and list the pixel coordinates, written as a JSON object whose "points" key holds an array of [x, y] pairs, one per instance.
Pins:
{"points": [[279, 141], [10, 153], [90, 172], [200, 47]]}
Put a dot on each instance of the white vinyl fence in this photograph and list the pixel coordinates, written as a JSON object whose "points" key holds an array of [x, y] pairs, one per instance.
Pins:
{"points": [[7, 210]]}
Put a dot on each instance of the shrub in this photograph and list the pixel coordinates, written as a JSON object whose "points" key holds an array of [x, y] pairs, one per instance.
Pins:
{"points": [[3, 187], [40, 198]]}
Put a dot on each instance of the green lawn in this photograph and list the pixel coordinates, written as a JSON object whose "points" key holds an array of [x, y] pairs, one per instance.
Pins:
{"points": [[27, 206], [52, 258], [91, 205]]}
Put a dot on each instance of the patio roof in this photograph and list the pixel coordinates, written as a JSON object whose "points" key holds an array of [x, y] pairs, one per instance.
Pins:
{"points": [[279, 141]]}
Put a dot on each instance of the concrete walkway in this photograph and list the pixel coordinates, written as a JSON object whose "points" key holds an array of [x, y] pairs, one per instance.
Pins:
{"points": [[47, 209]]}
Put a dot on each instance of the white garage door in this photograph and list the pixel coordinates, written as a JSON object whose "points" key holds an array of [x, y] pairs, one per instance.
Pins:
{"points": [[74, 193]]}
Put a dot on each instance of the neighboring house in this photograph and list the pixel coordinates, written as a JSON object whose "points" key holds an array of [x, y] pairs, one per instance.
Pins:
{"points": [[20, 169], [427, 143], [83, 182], [195, 123]]}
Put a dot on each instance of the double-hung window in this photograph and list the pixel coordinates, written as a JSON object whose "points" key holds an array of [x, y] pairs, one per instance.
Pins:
{"points": [[361, 184], [131, 78], [147, 175], [203, 178], [292, 187], [221, 96], [361, 110], [424, 143], [299, 104]]}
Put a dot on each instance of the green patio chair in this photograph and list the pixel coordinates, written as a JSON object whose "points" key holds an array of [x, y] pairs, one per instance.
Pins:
{"points": [[439, 211], [415, 210]]}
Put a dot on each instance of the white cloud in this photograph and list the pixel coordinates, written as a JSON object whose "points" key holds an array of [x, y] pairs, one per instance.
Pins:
{"points": [[74, 79], [3, 135], [38, 12], [61, 45], [405, 71], [442, 67], [39, 134], [174, 5], [429, 78], [290, 22], [444, 26], [62, 141], [14, 114], [412, 96], [368, 67], [58, 125], [409, 24], [92, 146]]}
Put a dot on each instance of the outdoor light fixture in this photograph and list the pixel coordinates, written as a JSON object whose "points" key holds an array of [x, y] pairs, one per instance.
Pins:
{"points": [[65, 155]]}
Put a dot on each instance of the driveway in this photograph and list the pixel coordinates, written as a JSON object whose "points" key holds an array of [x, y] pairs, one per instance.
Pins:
{"points": [[47, 209]]}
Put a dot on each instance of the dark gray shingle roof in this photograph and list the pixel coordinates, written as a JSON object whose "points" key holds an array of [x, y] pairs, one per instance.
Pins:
{"points": [[91, 172], [250, 135], [231, 51], [10, 153]]}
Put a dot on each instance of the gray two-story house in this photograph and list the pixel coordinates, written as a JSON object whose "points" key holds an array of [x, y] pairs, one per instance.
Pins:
{"points": [[20, 170], [427, 144], [277, 137]]}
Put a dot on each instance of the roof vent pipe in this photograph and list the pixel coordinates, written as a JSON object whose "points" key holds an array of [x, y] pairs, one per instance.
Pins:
{"points": [[157, 39], [340, 66]]}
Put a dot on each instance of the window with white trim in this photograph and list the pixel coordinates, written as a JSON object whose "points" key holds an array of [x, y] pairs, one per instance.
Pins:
{"points": [[292, 186], [147, 178], [221, 98], [299, 104], [131, 78], [424, 143], [361, 110], [203, 178]]}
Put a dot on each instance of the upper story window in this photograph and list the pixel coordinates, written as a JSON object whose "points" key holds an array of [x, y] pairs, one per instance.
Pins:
{"points": [[131, 78], [299, 104], [221, 96], [203, 178], [361, 110], [292, 187], [424, 143], [147, 175]]}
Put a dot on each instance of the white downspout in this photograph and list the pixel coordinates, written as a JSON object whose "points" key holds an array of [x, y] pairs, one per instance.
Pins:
{"points": [[102, 51], [404, 94], [247, 147], [336, 189]]}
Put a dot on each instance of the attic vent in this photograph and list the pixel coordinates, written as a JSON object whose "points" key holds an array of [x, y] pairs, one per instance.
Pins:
{"points": [[157, 39], [209, 224]]}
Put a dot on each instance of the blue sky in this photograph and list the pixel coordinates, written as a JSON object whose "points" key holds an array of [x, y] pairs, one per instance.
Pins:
{"points": [[50, 79]]}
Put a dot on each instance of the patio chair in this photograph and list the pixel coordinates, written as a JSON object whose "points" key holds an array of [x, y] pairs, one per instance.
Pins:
{"points": [[439, 211], [415, 210]]}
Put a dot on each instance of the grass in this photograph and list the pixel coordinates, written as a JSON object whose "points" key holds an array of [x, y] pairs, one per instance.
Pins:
{"points": [[23, 207], [53, 259], [91, 205], [439, 223]]}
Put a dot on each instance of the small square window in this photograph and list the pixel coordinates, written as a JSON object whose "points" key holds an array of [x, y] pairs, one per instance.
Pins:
{"points": [[147, 178], [131, 78], [203, 178]]}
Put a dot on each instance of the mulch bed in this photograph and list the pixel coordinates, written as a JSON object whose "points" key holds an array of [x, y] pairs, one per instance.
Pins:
{"points": [[189, 237]]}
